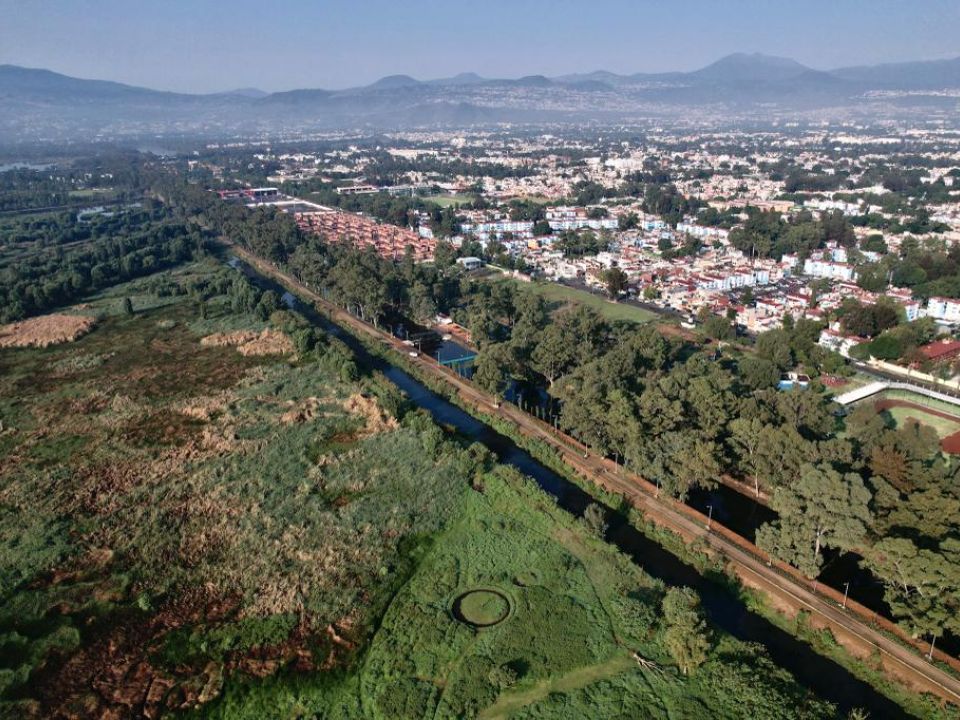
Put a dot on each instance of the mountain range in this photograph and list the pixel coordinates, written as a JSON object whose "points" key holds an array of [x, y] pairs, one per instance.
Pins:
{"points": [[37, 105]]}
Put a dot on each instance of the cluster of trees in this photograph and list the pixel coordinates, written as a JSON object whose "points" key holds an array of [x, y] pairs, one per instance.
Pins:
{"points": [[869, 320], [669, 203], [900, 342], [927, 268], [686, 637], [90, 182], [766, 234], [114, 250], [814, 182], [579, 243]]}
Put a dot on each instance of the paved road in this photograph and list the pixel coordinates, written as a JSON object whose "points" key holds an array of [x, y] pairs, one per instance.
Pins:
{"points": [[679, 518]]}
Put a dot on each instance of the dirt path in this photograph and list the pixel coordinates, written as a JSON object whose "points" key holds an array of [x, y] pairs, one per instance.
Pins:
{"points": [[903, 659], [509, 702]]}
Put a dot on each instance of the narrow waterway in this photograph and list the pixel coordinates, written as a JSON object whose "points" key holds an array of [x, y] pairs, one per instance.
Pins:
{"points": [[823, 676]]}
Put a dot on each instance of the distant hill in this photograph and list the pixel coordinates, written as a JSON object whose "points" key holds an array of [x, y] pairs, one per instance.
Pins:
{"points": [[391, 82], [745, 68], [924, 75], [464, 78], [20, 82], [40, 104], [247, 92]]}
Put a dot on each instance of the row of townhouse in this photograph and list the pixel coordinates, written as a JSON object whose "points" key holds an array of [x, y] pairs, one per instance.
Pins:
{"points": [[726, 280], [820, 268], [389, 241], [703, 232]]}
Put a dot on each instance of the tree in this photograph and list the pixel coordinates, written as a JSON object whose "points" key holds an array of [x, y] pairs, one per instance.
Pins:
{"points": [[595, 519], [821, 509], [718, 328], [758, 373], [774, 345], [746, 438], [687, 638], [127, 306], [493, 368], [444, 254], [553, 355], [422, 307], [541, 228], [922, 585], [698, 465], [615, 281]]}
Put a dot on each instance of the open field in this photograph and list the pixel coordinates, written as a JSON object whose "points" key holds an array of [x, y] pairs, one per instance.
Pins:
{"points": [[172, 514], [449, 200], [902, 414], [562, 295], [581, 616]]}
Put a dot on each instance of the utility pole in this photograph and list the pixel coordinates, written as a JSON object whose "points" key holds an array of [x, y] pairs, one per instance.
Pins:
{"points": [[709, 516], [846, 591], [933, 640]]}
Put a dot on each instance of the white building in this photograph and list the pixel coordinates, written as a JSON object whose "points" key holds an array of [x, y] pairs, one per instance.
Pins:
{"points": [[945, 309], [470, 263], [827, 269]]}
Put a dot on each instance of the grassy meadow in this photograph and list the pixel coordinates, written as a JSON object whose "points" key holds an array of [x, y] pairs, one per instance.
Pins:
{"points": [[559, 296]]}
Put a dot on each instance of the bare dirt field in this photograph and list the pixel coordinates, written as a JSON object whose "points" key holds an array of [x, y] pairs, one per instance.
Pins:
{"points": [[45, 330]]}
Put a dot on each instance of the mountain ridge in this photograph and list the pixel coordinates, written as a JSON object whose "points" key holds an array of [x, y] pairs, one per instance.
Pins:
{"points": [[39, 102]]}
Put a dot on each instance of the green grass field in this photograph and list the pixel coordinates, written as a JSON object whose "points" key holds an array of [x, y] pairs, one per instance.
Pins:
{"points": [[943, 426], [449, 200], [581, 611], [560, 295]]}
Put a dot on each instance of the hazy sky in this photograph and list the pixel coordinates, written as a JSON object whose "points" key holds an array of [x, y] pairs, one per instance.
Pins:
{"points": [[210, 45]]}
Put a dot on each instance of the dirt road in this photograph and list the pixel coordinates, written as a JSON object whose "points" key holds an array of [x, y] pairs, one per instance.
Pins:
{"points": [[779, 580]]}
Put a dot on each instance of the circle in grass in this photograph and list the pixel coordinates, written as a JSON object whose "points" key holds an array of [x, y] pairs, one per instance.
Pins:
{"points": [[482, 607]]}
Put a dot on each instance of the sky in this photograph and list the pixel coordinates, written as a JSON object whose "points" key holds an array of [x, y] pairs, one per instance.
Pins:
{"points": [[218, 45]]}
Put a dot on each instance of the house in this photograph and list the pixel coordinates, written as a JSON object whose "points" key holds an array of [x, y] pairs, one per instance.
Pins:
{"points": [[941, 351], [946, 309], [470, 263]]}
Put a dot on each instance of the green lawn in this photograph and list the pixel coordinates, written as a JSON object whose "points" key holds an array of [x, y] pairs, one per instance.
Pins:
{"points": [[943, 426], [449, 200], [561, 295]]}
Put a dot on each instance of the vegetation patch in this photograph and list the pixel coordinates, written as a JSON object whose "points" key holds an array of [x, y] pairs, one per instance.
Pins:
{"points": [[482, 607], [267, 342], [45, 330]]}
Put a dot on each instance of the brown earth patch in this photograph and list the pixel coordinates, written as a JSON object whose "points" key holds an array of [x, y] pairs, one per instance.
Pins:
{"points": [[248, 343], [112, 676], [951, 444], [302, 412], [376, 420], [45, 330]]}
